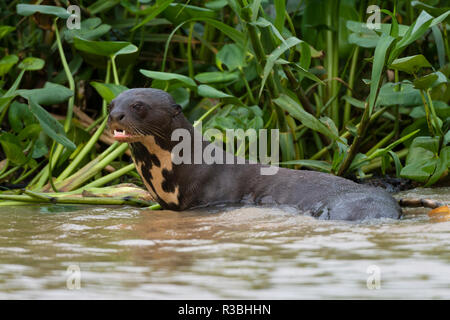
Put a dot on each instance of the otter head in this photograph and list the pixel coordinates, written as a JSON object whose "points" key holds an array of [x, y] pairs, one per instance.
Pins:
{"points": [[144, 118], [137, 113]]}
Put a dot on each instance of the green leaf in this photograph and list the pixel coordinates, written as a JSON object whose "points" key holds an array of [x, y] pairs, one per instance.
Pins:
{"points": [[50, 125], [422, 159], [271, 59], [102, 5], [330, 125], [440, 18], [369, 40], [447, 138], [131, 48], [419, 170], [398, 164], [415, 31], [405, 95], [5, 30], [441, 166], [168, 76], [314, 164], [232, 56], [307, 119], [52, 93], [100, 48], [216, 4], [280, 8], [361, 27], [6, 63], [305, 58], [435, 11], [378, 64], [179, 12], [29, 9], [215, 77], [19, 115], [39, 149], [74, 66], [287, 146], [31, 64], [425, 82], [364, 37], [254, 7], [410, 64], [181, 96], [394, 32], [156, 9], [263, 23], [108, 91], [230, 32], [12, 148], [210, 92], [355, 102], [423, 148], [305, 73], [90, 29], [5, 101], [31, 131], [383, 151], [440, 46]]}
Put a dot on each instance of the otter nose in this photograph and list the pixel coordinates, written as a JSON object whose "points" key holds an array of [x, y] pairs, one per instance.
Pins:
{"points": [[117, 116]]}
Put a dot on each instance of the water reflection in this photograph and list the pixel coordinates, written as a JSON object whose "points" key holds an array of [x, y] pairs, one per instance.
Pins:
{"points": [[267, 253]]}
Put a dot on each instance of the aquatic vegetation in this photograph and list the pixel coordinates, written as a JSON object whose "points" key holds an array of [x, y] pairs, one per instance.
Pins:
{"points": [[348, 99]]}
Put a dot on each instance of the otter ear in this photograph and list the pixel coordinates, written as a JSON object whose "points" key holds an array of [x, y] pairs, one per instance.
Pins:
{"points": [[177, 109]]}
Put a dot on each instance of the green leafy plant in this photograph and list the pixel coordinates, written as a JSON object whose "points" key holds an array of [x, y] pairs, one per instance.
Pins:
{"points": [[347, 99]]}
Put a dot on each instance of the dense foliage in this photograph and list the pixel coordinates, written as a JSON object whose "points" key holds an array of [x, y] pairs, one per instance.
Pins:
{"points": [[348, 99]]}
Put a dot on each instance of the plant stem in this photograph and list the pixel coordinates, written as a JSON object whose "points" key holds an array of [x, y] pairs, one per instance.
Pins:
{"points": [[332, 57], [444, 30], [247, 86], [189, 51], [69, 76], [91, 169], [36, 198], [75, 162], [110, 177], [4, 106], [24, 176], [377, 162], [381, 143], [114, 68], [10, 171], [50, 167], [5, 166], [363, 125], [206, 114], [69, 114], [108, 75], [427, 113], [435, 118], [351, 81]]}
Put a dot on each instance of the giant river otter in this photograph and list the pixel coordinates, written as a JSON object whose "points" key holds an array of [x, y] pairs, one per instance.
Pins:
{"points": [[146, 118]]}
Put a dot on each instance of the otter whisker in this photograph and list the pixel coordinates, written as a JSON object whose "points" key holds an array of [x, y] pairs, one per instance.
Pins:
{"points": [[156, 132]]}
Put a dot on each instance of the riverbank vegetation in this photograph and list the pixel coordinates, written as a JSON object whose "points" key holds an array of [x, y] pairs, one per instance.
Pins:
{"points": [[349, 99]]}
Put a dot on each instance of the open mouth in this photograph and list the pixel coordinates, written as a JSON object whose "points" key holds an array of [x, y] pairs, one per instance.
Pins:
{"points": [[123, 135], [119, 133]]}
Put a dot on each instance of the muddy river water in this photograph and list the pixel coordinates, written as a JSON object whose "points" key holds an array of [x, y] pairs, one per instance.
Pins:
{"points": [[79, 252]]}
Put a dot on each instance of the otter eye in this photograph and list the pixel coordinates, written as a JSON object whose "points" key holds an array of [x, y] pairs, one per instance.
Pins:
{"points": [[137, 106]]}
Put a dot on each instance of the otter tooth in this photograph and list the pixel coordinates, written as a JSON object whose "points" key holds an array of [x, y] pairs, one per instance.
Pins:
{"points": [[121, 132]]}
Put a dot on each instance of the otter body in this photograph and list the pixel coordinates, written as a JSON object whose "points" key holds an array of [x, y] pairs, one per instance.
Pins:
{"points": [[146, 118]]}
